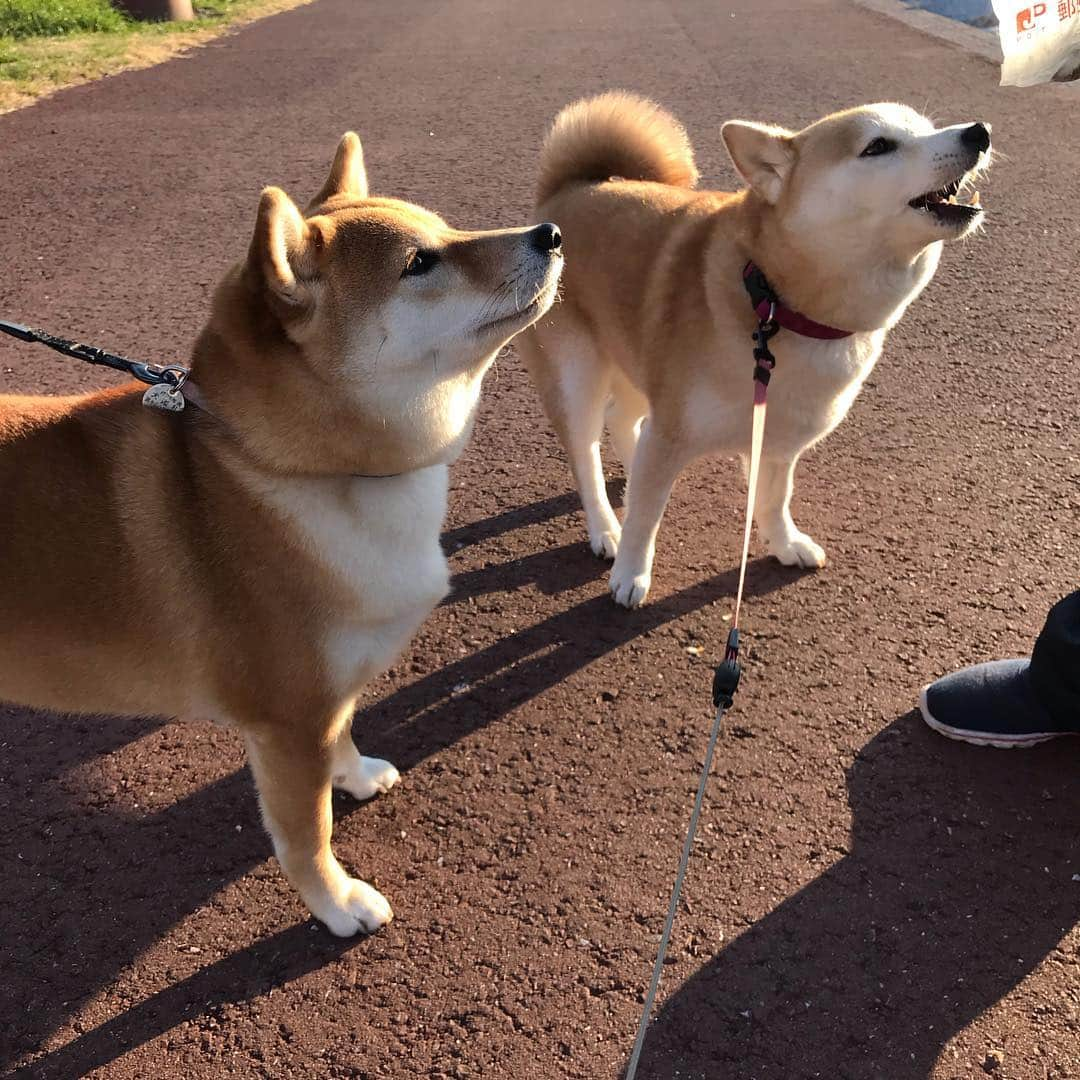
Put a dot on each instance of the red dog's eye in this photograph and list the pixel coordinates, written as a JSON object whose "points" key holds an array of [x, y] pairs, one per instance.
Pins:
{"points": [[420, 263]]}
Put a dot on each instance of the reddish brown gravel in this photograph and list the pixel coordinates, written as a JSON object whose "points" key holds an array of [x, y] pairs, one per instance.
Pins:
{"points": [[866, 900]]}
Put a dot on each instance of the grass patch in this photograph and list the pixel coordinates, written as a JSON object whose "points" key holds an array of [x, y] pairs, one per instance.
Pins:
{"points": [[49, 44], [48, 18]]}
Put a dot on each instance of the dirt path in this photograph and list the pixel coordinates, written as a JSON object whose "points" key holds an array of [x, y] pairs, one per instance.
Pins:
{"points": [[866, 900], [47, 64]]}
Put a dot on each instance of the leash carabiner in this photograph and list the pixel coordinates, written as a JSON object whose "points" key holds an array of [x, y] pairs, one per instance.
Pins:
{"points": [[156, 373]]}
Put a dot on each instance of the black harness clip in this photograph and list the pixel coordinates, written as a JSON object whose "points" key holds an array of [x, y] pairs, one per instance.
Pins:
{"points": [[726, 677], [764, 361], [761, 292]]}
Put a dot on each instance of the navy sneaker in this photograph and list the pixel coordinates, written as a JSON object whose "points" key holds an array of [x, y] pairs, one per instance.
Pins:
{"points": [[1015, 703]]}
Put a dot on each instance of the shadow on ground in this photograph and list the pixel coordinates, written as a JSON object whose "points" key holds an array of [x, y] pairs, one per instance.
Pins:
{"points": [[91, 900], [957, 884]]}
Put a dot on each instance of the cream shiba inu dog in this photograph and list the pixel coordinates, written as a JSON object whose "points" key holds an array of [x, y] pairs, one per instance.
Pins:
{"points": [[259, 556], [846, 219]]}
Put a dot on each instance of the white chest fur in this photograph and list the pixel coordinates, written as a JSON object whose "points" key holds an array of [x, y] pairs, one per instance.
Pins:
{"points": [[378, 541], [815, 383], [811, 390]]}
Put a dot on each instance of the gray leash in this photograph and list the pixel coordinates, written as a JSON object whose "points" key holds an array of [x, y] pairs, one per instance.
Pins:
{"points": [[725, 683]]}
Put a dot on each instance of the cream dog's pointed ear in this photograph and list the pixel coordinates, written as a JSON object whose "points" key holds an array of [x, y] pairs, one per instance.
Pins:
{"points": [[282, 247], [348, 175], [763, 155]]}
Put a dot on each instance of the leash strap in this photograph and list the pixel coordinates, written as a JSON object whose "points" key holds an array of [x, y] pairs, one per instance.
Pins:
{"points": [[756, 438], [680, 877], [170, 387], [764, 362], [153, 374], [726, 679]]}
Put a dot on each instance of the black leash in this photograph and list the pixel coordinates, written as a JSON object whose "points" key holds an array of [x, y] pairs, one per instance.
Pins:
{"points": [[169, 387], [152, 374]]}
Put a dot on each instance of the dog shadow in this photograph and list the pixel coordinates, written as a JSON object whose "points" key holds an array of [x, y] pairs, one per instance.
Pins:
{"points": [[245, 975], [68, 928], [438, 709], [520, 517], [103, 885], [957, 884]]}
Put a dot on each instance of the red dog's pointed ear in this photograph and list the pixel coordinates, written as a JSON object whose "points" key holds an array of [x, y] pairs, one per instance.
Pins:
{"points": [[348, 175], [282, 247], [763, 155]]}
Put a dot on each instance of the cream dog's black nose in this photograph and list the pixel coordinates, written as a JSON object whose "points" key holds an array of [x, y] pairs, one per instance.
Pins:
{"points": [[977, 137], [546, 237]]}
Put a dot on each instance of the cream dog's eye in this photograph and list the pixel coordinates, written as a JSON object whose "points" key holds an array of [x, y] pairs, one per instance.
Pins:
{"points": [[420, 263], [879, 146]]}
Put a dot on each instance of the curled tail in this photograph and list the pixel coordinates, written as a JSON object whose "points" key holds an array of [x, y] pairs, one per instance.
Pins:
{"points": [[615, 134]]}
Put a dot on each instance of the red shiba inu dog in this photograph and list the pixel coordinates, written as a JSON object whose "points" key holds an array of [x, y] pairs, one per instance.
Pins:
{"points": [[258, 556]]}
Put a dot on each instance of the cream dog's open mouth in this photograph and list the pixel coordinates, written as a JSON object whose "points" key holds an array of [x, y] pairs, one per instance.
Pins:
{"points": [[943, 204]]}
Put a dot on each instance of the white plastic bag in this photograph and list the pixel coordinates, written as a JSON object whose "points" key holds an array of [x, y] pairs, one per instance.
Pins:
{"points": [[1040, 41]]}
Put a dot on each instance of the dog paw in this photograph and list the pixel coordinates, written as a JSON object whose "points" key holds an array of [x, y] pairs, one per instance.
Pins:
{"points": [[627, 587], [799, 550], [605, 545], [367, 778], [360, 910]]}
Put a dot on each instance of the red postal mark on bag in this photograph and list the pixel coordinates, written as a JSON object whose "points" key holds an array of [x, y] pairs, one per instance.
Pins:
{"points": [[1025, 17]]}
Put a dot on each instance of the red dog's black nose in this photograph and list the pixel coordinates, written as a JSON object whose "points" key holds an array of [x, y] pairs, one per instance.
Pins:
{"points": [[977, 137], [546, 237]]}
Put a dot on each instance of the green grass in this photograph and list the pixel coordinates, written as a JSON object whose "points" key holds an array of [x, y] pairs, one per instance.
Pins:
{"points": [[53, 18], [49, 44], [210, 8]]}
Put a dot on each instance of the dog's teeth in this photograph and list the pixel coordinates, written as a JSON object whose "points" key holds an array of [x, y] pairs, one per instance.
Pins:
{"points": [[976, 199]]}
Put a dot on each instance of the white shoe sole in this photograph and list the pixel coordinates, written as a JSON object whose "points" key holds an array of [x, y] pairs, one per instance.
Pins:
{"points": [[1002, 742]]}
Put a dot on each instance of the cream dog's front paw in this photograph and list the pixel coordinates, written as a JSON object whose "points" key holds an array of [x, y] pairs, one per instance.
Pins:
{"points": [[798, 549], [629, 584], [360, 909], [366, 777], [605, 545]]}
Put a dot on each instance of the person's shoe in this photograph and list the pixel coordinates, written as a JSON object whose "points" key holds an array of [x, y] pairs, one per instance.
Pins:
{"points": [[1015, 703], [989, 705]]}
